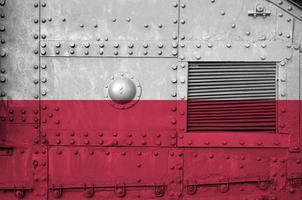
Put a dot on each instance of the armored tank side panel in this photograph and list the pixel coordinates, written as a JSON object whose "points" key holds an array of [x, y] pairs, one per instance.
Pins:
{"points": [[150, 99]]}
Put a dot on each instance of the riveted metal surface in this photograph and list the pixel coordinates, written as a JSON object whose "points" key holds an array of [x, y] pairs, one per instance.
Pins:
{"points": [[89, 84], [122, 28], [115, 20], [65, 134], [227, 173], [232, 21], [105, 49], [14, 176], [19, 49], [229, 51], [143, 169], [234, 32], [85, 79]]}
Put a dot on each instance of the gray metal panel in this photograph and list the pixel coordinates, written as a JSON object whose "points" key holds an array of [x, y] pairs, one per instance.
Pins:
{"points": [[231, 21], [150, 20], [82, 78], [234, 51], [109, 48], [19, 50]]}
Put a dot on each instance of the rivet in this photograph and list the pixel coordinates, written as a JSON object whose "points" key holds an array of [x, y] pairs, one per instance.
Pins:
{"points": [[228, 45], [131, 45], [145, 45], [116, 45], [160, 45], [87, 45], [174, 53], [233, 25], [175, 45], [174, 67], [222, 13], [174, 80]]}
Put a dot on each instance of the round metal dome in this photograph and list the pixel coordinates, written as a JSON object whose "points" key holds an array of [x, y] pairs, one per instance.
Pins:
{"points": [[122, 90]]}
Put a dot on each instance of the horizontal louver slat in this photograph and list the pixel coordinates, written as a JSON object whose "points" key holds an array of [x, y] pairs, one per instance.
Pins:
{"points": [[231, 97]]}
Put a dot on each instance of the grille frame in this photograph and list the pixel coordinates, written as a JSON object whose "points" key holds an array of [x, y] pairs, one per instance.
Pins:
{"points": [[248, 66]]}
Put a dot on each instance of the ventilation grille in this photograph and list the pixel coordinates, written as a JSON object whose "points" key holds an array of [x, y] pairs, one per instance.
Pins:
{"points": [[231, 97]]}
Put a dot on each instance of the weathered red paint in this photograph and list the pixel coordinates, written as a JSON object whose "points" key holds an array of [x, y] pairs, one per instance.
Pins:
{"points": [[157, 156]]}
